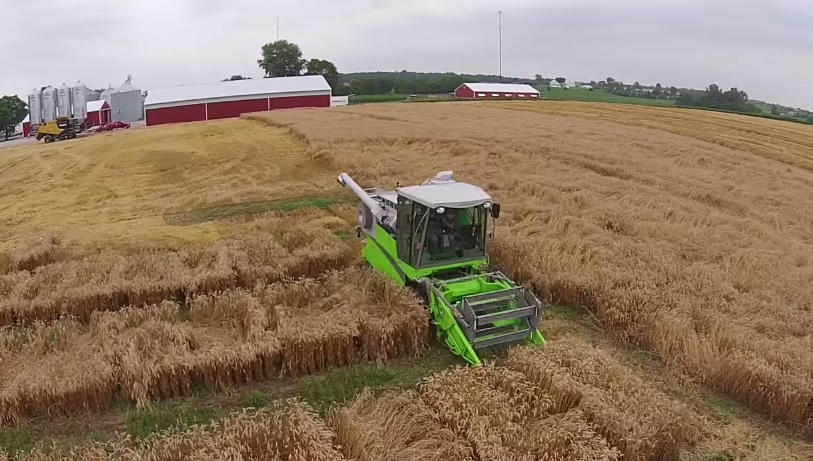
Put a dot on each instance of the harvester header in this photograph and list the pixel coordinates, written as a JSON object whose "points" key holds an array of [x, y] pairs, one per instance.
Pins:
{"points": [[433, 237]]}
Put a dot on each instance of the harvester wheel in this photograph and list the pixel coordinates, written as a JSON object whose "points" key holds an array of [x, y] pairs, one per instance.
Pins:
{"points": [[48, 139], [365, 217]]}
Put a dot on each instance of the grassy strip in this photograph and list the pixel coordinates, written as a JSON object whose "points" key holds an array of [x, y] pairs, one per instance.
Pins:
{"points": [[580, 94], [220, 213]]}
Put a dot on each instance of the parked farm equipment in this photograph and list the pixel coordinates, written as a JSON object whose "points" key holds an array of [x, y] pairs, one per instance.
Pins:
{"points": [[433, 237]]}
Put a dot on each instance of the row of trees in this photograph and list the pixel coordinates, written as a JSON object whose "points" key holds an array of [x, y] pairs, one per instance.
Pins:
{"points": [[12, 112], [715, 98]]}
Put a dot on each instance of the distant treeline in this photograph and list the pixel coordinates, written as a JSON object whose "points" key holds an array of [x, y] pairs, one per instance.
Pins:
{"points": [[405, 82]]}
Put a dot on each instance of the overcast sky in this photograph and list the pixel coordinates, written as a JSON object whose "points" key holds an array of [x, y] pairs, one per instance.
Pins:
{"points": [[762, 47]]}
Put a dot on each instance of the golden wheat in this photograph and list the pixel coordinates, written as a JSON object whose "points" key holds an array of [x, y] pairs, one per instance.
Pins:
{"points": [[696, 249], [396, 425], [504, 417], [232, 338], [286, 246], [292, 433], [642, 422]]}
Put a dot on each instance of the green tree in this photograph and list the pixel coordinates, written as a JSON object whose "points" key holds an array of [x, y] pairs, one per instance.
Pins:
{"points": [[673, 90], [561, 81], [324, 68], [281, 59], [12, 112], [775, 110]]}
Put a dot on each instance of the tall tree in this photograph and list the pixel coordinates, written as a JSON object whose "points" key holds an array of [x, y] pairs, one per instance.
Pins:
{"points": [[12, 112], [561, 81], [281, 59], [324, 68]]}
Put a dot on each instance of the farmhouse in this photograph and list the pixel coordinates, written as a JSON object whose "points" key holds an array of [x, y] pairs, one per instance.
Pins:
{"points": [[496, 91], [99, 113], [213, 101]]}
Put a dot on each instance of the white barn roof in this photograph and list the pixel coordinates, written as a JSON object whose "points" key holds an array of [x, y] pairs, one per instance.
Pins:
{"points": [[237, 90], [95, 106], [501, 88]]}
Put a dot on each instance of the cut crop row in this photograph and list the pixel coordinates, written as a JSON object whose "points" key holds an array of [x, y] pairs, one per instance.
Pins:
{"points": [[230, 339], [590, 412], [280, 247]]}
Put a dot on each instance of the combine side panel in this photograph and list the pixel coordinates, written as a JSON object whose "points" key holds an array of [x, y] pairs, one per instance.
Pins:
{"points": [[379, 250]]}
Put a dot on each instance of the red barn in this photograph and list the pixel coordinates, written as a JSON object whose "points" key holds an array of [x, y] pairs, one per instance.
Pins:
{"points": [[496, 91], [98, 113], [194, 103]]}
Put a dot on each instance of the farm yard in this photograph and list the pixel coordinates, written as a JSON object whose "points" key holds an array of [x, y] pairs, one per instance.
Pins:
{"points": [[193, 261]]}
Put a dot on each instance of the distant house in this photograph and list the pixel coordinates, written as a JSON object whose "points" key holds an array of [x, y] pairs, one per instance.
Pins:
{"points": [[496, 91]]}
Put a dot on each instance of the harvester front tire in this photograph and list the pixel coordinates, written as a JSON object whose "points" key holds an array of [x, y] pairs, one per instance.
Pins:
{"points": [[365, 217], [49, 139]]}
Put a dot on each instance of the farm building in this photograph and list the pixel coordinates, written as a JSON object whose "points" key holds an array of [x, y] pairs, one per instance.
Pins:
{"points": [[98, 113], [195, 103], [496, 91]]}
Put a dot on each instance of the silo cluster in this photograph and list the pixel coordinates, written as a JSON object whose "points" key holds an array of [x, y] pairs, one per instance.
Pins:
{"points": [[66, 101]]}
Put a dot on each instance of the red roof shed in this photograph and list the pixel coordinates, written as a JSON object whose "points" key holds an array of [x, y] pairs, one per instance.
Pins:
{"points": [[195, 103]]}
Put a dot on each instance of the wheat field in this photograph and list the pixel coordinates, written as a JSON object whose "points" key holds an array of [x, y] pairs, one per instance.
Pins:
{"points": [[221, 254], [697, 251]]}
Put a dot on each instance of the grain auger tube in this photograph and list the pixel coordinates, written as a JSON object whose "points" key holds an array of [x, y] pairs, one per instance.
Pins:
{"points": [[433, 237]]}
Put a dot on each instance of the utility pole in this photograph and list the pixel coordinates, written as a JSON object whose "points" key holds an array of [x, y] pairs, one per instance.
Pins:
{"points": [[499, 13]]}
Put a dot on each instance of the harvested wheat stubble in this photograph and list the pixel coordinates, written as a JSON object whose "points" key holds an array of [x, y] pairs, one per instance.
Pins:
{"points": [[294, 433], [278, 247], [231, 338], [641, 421], [395, 426], [505, 417], [696, 249]]}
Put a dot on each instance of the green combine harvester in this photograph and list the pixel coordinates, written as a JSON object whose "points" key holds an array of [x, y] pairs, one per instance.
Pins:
{"points": [[433, 237]]}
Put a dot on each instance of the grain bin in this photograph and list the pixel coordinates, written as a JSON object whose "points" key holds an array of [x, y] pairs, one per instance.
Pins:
{"points": [[35, 107], [49, 104], [80, 100], [127, 102], [63, 101]]}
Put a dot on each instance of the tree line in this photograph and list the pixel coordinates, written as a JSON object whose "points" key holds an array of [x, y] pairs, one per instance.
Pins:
{"points": [[714, 98]]}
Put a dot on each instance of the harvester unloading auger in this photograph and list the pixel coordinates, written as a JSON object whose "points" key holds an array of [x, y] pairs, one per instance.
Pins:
{"points": [[433, 237]]}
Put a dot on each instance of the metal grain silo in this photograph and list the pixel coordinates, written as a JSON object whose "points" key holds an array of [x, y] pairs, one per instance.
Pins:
{"points": [[127, 102], [49, 104], [63, 101], [79, 94], [35, 107]]}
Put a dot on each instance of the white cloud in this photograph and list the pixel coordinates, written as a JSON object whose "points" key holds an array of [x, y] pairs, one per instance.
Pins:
{"points": [[762, 47]]}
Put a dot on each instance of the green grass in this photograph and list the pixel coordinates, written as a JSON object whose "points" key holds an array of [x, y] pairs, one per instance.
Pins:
{"points": [[367, 98], [159, 417], [15, 439], [224, 212], [581, 94], [343, 384]]}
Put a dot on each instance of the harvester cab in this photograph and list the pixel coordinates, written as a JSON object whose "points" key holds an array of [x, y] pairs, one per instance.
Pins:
{"points": [[434, 236]]}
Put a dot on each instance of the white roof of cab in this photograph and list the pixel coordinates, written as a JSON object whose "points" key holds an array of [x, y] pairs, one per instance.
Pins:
{"points": [[501, 88], [449, 195], [238, 89]]}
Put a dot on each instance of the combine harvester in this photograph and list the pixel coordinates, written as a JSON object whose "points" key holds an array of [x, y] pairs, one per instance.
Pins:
{"points": [[433, 237]]}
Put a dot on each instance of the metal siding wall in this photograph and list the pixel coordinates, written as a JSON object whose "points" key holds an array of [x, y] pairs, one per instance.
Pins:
{"points": [[127, 106], [236, 108], [179, 114], [300, 101]]}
